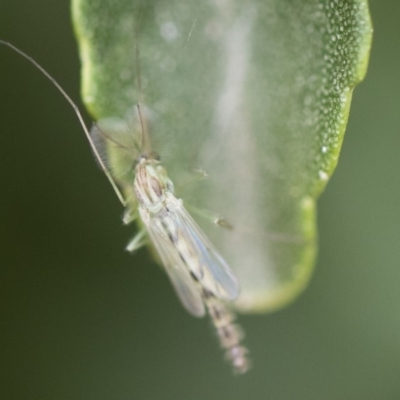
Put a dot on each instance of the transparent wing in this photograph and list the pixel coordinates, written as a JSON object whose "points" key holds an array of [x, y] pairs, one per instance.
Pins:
{"points": [[116, 141], [209, 266], [184, 285]]}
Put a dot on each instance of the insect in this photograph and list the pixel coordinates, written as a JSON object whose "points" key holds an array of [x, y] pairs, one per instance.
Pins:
{"points": [[200, 276]]}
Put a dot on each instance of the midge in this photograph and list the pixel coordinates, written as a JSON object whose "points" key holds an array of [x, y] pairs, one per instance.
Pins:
{"points": [[200, 276]]}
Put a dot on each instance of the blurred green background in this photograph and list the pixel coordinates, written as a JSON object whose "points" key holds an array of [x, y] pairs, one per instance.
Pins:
{"points": [[82, 319]]}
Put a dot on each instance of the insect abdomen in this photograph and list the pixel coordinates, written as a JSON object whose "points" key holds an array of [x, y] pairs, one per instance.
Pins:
{"points": [[229, 334]]}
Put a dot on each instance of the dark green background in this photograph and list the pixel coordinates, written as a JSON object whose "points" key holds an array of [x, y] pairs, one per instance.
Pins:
{"points": [[81, 319]]}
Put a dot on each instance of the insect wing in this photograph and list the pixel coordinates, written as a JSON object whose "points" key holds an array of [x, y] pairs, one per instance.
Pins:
{"points": [[116, 141], [178, 272], [211, 269]]}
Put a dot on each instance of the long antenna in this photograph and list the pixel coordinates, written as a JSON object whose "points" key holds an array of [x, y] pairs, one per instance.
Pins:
{"points": [[77, 112], [137, 58]]}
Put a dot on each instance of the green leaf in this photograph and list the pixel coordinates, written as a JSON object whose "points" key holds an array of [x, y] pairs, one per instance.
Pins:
{"points": [[256, 93]]}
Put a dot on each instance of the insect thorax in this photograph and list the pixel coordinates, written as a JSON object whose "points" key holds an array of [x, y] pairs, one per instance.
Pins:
{"points": [[151, 185]]}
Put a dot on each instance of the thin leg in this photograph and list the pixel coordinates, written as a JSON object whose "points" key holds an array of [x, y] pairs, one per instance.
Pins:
{"points": [[215, 219], [199, 175], [137, 242], [129, 216]]}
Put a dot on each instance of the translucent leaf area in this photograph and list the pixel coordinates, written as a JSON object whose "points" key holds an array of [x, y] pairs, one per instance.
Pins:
{"points": [[255, 93]]}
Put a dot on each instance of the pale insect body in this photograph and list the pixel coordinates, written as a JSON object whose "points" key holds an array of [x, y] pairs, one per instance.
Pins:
{"points": [[199, 274]]}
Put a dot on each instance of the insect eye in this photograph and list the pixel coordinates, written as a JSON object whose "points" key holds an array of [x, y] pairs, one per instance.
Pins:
{"points": [[141, 159], [155, 156]]}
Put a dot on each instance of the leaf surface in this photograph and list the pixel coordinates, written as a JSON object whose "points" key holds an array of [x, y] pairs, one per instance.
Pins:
{"points": [[256, 93]]}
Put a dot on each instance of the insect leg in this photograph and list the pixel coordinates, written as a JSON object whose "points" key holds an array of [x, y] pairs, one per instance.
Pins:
{"points": [[129, 216], [214, 218], [137, 242]]}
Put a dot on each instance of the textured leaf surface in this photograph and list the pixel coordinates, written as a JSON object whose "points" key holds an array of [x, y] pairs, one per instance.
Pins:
{"points": [[256, 93]]}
